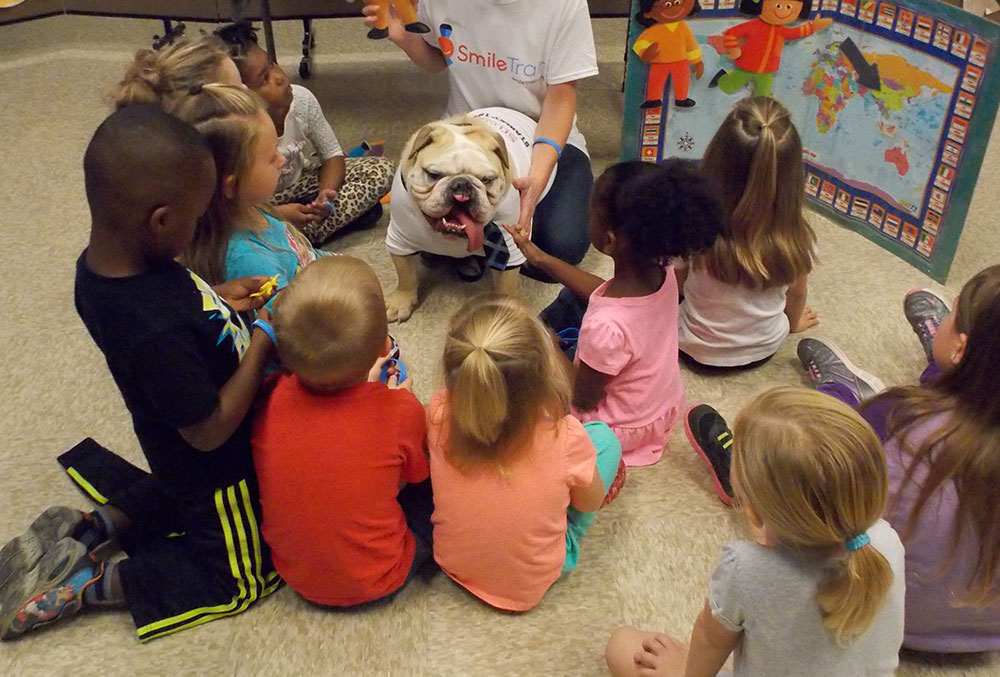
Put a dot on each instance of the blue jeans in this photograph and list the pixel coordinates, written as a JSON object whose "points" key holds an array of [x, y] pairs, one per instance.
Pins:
{"points": [[560, 225]]}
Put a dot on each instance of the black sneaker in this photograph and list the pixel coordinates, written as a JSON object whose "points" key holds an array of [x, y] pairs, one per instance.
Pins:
{"points": [[925, 311], [651, 103], [712, 439], [686, 103], [824, 362], [714, 82]]}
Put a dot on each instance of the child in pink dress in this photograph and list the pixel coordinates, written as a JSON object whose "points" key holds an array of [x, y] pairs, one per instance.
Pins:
{"points": [[625, 371]]}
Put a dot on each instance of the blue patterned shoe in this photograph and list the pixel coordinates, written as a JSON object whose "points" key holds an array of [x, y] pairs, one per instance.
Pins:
{"points": [[50, 591]]}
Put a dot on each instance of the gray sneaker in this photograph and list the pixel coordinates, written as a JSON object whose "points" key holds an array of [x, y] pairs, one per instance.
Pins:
{"points": [[925, 311], [826, 363], [21, 554]]}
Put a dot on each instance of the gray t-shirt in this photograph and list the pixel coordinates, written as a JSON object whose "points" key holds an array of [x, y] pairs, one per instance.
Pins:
{"points": [[769, 594]]}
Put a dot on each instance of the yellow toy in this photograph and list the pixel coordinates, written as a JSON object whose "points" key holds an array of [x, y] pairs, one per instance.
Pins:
{"points": [[404, 8], [267, 288]]}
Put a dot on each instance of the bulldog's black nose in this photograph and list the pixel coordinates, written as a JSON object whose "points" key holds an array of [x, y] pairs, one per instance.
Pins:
{"points": [[461, 189]]}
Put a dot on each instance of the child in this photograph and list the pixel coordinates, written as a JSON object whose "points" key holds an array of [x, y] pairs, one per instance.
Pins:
{"points": [[943, 442], [745, 293], [320, 193], [164, 77], [819, 590], [332, 445], [236, 236], [516, 478], [626, 371], [188, 370]]}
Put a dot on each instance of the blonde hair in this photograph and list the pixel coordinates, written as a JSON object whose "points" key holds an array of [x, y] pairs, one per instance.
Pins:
{"points": [[231, 118], [814, 472], [756, 159], [330, 321], [503, 378], [164, 78]]}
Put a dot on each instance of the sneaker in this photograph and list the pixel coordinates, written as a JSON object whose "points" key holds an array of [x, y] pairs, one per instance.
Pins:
{"points": [[22, 553], [616, 485], [925, 311], [714, 82], [826, 363], [712, 439], [52, 590]]}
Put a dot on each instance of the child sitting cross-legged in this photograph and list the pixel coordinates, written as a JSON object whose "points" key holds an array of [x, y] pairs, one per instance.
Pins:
{"points": [[188, 369], [333, 445], [319, 190], [517, 479]]}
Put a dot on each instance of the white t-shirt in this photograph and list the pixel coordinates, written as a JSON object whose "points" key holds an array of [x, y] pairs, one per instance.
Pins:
{"points": [[416, 235], [306, 129], [506, 52], [769, 594], [729, 325]]}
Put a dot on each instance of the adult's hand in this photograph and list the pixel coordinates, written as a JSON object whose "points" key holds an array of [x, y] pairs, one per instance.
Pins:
{"points": [[397, 30], [530, 187]]}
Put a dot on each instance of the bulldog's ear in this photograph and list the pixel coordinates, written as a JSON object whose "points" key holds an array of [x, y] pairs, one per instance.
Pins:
{"points": [[424, 137]]}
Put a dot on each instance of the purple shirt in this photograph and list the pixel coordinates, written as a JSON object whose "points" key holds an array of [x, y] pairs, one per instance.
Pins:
{"points": [[933, 621]]}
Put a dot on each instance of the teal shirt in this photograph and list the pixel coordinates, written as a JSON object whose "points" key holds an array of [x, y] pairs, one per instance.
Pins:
{"points": [[269, 252]]}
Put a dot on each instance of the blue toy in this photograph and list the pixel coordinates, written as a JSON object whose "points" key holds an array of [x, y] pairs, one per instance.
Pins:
{"points": [[385, 370]]}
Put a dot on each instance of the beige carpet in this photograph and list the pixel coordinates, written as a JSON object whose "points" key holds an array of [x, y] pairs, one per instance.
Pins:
{"points": [[645, 562]]}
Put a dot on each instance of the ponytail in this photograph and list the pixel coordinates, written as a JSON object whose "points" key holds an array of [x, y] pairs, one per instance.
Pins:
{"points": [[481, 412], [164, 78], [814, 472], [503, 379], [852, 596]]}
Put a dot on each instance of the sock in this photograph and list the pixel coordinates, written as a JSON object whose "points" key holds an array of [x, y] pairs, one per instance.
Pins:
{"points": [[101, 592], [96, 528]]}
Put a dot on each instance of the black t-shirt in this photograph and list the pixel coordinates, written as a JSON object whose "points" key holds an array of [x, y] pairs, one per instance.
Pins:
{"points": [[171, 343]]}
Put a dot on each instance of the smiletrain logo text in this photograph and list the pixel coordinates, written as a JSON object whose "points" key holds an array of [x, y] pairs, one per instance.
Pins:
{"points": [[464, 54]]}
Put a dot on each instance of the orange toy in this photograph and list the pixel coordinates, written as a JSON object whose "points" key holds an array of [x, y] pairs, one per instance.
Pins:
{"points": [[405, 11]]}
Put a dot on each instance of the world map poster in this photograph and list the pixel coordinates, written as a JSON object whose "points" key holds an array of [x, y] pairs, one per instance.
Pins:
{"points": [[894, 103]]}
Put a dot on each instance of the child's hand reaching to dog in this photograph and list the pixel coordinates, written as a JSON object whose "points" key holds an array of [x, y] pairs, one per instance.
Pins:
{"points": [[522, 238]]}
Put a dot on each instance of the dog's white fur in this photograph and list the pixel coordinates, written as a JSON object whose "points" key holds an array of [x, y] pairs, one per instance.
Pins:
{"points": [[461, 151]]}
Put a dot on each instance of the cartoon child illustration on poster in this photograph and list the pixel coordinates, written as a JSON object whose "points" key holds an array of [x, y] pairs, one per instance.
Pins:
{"points": [[406, 12], [755, 46], [669, 47]]}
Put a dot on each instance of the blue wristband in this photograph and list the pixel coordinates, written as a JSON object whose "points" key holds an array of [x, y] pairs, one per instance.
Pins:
{"points": [[550, 142], [266, 328]]}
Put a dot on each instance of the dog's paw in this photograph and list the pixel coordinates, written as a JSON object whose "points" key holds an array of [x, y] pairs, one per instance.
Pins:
{"points": [[399, 306]]}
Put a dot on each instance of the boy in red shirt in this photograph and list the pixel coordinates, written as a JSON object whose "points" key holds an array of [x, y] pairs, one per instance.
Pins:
{"points": [[333, 445]]}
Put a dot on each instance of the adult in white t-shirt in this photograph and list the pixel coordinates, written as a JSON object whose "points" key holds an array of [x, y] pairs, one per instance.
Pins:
{"points": [[525, 55]]}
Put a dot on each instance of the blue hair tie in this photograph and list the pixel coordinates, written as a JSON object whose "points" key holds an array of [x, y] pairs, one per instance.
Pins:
{"points": [[858, 542]]}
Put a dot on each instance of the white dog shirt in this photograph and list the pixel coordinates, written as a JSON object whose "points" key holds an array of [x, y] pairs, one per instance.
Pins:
{"points": [[409, 231]]}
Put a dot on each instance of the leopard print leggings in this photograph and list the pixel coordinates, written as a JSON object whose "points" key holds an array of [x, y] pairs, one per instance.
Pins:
{"points": [[366, 180]]}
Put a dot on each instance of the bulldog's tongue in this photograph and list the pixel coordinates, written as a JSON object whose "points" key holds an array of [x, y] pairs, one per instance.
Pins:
{"points": [[473, 230]]}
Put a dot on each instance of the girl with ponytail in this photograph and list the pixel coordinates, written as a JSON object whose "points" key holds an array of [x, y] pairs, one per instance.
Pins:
{"points": [[165, 77], [517, 480], [819, 588], [745, 294]]}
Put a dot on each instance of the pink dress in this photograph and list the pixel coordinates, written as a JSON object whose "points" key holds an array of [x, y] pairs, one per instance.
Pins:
{"points": [[634, 340]]}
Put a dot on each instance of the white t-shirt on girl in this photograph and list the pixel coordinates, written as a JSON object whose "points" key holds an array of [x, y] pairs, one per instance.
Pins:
{"points": [[506, 52], [305, 126], [769, 594], [729, 325]]}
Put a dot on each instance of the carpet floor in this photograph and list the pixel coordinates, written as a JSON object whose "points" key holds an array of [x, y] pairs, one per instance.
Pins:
{"points": [[645, 562]]}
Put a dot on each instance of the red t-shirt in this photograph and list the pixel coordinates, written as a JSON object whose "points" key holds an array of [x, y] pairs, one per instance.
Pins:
{"points": [[329, 467]]}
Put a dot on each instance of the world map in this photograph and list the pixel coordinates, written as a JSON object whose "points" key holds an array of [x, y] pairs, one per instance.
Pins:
{"points": [[885, 140]]}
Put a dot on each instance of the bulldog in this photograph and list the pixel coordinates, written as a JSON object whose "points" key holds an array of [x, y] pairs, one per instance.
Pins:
{"points": [[451, 193]]}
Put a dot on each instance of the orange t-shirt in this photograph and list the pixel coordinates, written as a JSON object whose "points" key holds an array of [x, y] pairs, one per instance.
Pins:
{"points": [[502, 534], [329, 468]]}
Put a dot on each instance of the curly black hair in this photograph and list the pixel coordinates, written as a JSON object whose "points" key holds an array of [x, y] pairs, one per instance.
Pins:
{"points": [[239, 37], [646, 5], [661, 211]]}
